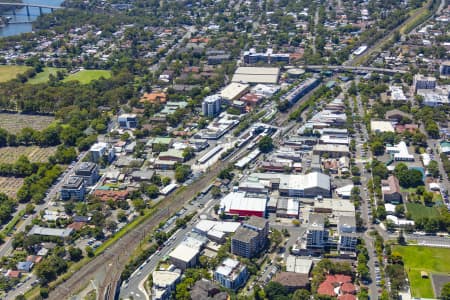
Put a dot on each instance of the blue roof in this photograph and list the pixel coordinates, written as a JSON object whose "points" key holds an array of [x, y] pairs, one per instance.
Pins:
{"points": [[24, 265]]}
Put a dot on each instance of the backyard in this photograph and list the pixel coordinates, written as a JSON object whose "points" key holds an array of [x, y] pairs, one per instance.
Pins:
{"points": [[421, 211], [428, 259]]}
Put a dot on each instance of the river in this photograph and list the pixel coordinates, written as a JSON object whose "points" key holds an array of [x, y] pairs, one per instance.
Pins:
{"points": [[21, 16]]}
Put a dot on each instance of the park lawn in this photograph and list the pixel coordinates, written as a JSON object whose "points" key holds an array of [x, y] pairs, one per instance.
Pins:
{"points": [[421, 211], [86, 76], [10, 72], [428, 259], [43, 76]]}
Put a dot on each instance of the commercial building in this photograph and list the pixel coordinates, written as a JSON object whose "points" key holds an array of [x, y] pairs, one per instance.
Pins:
{"points": [[128, 121], [215, 230], [211, 105], [400, 152], [295, 185], [423, 82], [316, 234], [360, 50], [217, 128], [243, 204], [101, 150], [164, 283], [234, 91], [265, 90], [298, 265], [435, 97], [390, 188], [89, 172], [445, 68], [396, 94], [56, 232], [231, 274], [244, 161], [268, 57], [332, 150], [256, 75], [287, 208], [381, 126], [300, 90], [347, 233], [73, 189], [172, 155], [251, 238], [184, 257]]}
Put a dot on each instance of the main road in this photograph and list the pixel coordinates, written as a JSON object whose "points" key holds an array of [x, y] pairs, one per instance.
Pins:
{"points": [[6, 248]]}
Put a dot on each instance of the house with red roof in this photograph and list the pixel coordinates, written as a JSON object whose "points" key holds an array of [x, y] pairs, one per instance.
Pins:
{"points": [[338, 285]]}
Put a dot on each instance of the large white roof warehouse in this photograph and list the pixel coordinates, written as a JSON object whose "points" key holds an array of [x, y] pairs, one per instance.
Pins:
{"points": [[308, 185], [234, 91], [256, 75]]}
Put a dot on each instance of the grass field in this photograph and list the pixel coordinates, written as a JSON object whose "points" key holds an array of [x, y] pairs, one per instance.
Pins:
{"points": [[14, 123], [34, 153], [86, 76], [10, 185], [430, 260], [421, 211], [10, 72], [43, 76]]}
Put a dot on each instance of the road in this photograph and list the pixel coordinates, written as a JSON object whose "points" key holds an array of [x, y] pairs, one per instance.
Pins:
{"points": [[360, 60], [130, 288], [365, 209], [343, 68], [117, 256], [316, 22], [6, 248]]}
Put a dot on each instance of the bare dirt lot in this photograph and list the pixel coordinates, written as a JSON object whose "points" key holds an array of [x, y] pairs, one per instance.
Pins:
{"points": [[34, 153], [14, 123], [10, 185]]}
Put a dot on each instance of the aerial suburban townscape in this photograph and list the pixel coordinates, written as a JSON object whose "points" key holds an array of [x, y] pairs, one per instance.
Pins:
{"points": [[259, 149]]}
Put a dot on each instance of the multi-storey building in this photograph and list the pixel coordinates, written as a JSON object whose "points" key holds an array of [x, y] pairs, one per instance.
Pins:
{"points": [[89, 172], [231, 274], [73, 189]]}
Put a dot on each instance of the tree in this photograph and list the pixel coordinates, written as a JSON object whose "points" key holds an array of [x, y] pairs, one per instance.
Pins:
{"points": [[89, 251], [275, 290], [152, 191], [445, 292], [399, 210], [265, 144], [276, 237], [433, 168], [377, 147], [75, 254], [301, 294], [408, 177], [182, 173], [188, 153], [215, 192]]}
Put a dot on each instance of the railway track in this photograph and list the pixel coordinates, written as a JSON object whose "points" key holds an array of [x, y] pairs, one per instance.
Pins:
{"points": [[117, 255], [115, 258]]}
